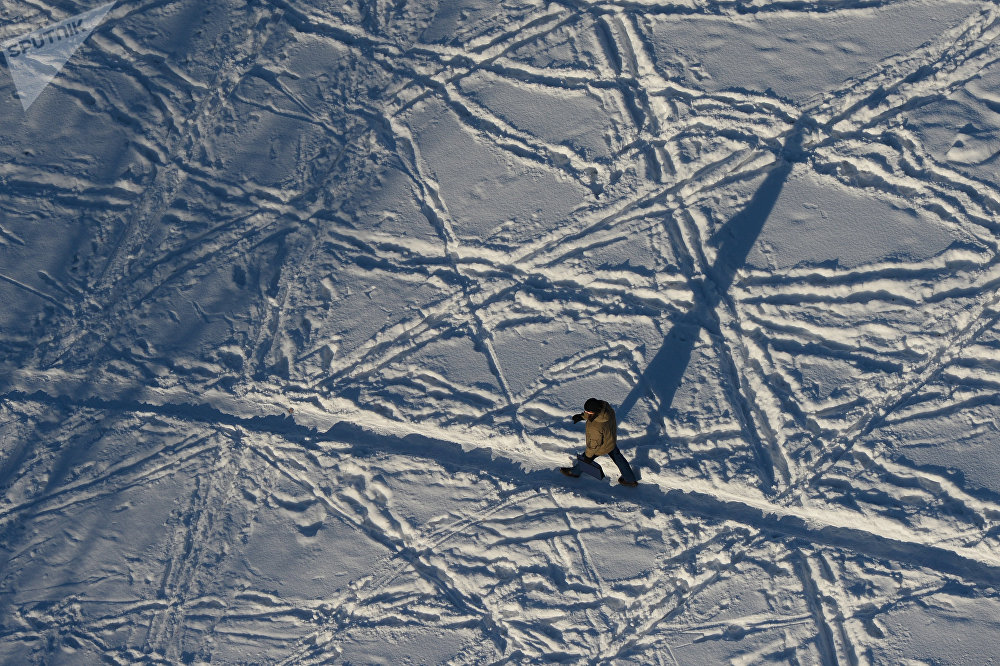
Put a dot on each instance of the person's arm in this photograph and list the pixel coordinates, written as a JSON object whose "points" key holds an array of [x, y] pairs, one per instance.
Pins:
{"points": [[577, 418]]}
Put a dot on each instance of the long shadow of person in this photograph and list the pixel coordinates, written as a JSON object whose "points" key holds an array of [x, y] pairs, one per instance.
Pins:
{"points": [[663, 376]]}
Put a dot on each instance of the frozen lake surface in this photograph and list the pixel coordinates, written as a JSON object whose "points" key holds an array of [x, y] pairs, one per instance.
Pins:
{"points": [[299, 298]]}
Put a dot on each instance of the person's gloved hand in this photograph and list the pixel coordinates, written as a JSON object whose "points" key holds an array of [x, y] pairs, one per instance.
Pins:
{"points": [[577, 418]]}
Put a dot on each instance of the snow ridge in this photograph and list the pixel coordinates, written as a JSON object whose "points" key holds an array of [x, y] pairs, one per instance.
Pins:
{"points": [[303, 294]]}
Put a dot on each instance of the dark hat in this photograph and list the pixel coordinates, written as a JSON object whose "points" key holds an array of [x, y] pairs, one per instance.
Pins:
{"points": [[592, 405]]}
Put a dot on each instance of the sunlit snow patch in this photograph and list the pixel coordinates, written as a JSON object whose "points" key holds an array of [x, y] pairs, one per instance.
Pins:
{"points": [[34, 59]]}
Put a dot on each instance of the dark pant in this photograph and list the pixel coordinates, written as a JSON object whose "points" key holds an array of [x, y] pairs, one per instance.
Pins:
{"points": [[616, 455]]}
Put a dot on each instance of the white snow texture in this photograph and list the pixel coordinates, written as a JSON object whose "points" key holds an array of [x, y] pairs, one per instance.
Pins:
{"points": [[298, 299]]}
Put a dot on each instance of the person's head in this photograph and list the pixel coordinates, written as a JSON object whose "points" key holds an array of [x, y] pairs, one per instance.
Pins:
{"points": [[592, 406]]}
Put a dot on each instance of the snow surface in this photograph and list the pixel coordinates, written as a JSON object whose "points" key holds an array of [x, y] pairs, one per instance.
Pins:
{"points": [[298, 298]]}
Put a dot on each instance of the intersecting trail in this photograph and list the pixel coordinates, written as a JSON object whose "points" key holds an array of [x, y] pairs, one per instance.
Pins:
{"points": [[292, 386]]}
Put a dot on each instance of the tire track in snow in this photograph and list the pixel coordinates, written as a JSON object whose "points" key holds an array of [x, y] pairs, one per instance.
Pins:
{"points": [[158, 195], [266, 347], [593, 574], [410, 333], [502, 382], [828, 652], [434, 209], [834, 605], [974, 65], [67, 617], [321, 640], [730, 9], [772, 466], [430, 198], [966, 333], [622, 64], [767, 517], [35, 292], [182, 561], [896, 405], [133, 472], [271, 215], [930, 72], [457, 64], [198, 529], [437, 575], [906, 175], [163, 462], [659, 611], [443, 317], [806, 337], [620, 37], [950, 558], [653, 600]]}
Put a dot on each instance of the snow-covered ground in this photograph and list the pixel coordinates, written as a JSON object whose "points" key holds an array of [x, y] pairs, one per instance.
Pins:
{"points": [[298, 299]]}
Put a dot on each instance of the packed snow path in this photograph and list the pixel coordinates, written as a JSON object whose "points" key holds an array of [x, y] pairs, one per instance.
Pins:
{"points": [[300, 298]]}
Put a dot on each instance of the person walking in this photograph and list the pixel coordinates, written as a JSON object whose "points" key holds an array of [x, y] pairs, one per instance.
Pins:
{"points": [[601, 439]]}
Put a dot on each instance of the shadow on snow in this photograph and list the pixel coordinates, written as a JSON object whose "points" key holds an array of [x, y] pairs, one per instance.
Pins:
{"points": [[665, 371]]}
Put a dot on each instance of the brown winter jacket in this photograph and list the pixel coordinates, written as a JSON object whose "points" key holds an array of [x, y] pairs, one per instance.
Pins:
{"points": [[602, 431]]}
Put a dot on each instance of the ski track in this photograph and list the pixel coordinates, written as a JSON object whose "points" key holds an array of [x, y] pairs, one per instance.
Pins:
{"points": [[805, 453]]}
